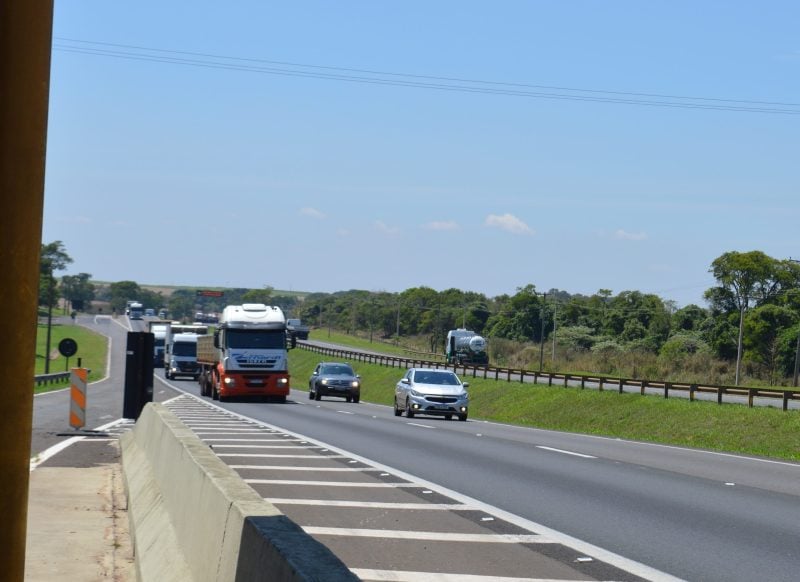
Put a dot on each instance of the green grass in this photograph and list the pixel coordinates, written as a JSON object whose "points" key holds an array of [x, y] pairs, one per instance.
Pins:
{"points": [[92, 349], [761, 431], [321, 335]]}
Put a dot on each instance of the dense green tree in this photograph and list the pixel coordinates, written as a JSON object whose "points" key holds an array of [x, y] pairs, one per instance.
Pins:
{"points": [[53, 258], [123, 291], [77, 290], [764, 328], [259, 296], [689, 318], [746, 279]]}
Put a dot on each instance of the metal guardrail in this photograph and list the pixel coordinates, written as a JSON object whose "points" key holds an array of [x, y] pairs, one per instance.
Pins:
{"points": [[602, 382], [45, 379]]}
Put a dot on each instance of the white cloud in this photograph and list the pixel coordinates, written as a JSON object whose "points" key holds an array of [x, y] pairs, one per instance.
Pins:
{"points": [[312, 212], [624, 235], [508, 222], [441, 225], [385, 228]]}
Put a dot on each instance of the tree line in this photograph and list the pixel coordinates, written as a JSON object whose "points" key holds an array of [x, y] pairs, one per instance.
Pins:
{"points": [[751, 320]]}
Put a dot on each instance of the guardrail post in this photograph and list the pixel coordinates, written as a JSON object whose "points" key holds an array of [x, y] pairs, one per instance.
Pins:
{"points": [[535, 377], [621, 385], [667, 386], [566, 380], [642, 386], [601, 383], [522, 376], [785, 400], [583, 382], [496, 373], [750, 393], [508, 375], [549, 379], [692, 389], [720, 392]]}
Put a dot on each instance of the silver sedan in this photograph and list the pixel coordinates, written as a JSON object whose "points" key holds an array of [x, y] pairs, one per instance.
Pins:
{"points": [[433, 392]]}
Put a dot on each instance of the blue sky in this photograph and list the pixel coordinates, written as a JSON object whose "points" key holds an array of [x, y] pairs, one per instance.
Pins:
{"points": [[224, 167]]}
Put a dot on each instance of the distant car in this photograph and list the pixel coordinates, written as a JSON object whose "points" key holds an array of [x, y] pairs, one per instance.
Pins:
{"points": [[334, 379], [433, 392], [149, 312]]}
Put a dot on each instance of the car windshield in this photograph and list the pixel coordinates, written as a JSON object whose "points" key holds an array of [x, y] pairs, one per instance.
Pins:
{"points": [[255, 339], [337, 370], [433, 377], [184, 349]]}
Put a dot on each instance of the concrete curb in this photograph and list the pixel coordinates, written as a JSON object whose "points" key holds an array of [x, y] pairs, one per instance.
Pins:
{"points": [[193, 518]]}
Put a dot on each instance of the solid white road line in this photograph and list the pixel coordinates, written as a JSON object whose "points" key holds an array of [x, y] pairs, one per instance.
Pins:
{"points": [[305, 468], [372, 504], [430, 536], [375, 485], [406, 576], [268, 456], [419, 425]]}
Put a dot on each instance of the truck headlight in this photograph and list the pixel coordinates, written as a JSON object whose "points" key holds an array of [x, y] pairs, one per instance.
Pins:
{"points": [[283, 381], [229, 381]]}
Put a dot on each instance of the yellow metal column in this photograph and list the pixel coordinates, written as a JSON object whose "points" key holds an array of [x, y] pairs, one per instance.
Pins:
{"points": [[25, 40]]}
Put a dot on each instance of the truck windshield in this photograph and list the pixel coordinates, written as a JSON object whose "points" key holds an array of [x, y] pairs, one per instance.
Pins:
{"points": [[255, 339], [184, 349]]}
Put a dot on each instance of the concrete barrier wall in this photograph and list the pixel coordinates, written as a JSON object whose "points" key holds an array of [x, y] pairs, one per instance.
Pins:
{"points": [[193, 518]]}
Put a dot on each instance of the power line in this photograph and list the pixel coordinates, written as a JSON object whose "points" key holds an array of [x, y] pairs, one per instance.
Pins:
{"points": [[365, 76]]}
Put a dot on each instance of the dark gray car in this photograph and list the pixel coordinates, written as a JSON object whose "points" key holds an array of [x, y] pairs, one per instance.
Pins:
{"points": [[334, 379]]}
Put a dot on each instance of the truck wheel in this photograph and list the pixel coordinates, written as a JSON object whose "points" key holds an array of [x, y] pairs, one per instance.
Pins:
{"points": [[214, 392]]}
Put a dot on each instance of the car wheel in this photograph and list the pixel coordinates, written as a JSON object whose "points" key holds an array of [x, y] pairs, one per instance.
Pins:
{"points": [[462, 417], [448, 417], [348, 399], [310, 394], [356, 399], [397, 411], [317, 395], [409, 410]]}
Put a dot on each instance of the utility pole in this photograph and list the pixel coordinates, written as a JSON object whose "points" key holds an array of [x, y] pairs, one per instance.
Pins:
{"points": [[796, 362], [555, 316], [541, 333]]}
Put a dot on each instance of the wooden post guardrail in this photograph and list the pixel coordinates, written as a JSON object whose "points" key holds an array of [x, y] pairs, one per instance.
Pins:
{"points": [[692, 388]]}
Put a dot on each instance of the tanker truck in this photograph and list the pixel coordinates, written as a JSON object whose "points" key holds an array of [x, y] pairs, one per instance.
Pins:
{"points": [[465, 347], [247, 355]]}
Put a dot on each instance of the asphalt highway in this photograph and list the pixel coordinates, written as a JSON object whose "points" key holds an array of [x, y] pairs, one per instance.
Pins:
{"points": [[692, 514]]}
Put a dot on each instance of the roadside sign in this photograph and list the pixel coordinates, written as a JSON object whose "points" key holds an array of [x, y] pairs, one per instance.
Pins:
{"points": [[209, 293], [68, 347]]}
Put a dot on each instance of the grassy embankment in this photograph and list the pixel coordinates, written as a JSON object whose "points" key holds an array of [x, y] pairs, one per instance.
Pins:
{"points": [[735, 428], [92, 349]]}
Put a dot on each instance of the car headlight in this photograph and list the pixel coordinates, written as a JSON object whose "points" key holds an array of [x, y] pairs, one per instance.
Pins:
{"points": [[464, 395], [354, 384], [417, 394], [324, 382]]}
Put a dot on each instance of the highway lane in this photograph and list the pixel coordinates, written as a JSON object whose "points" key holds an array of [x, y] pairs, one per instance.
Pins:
{"points": [[104, 398], [693, 514]]}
